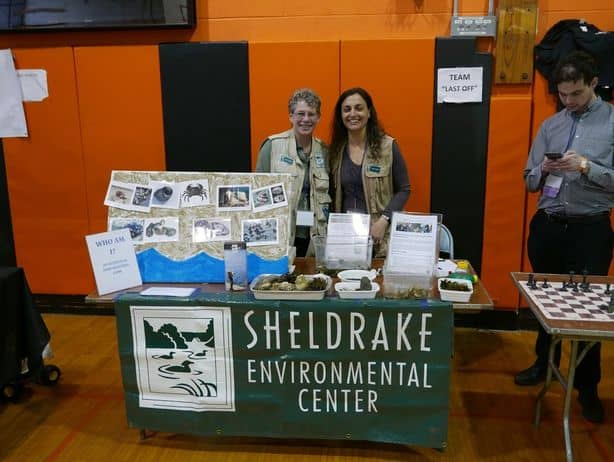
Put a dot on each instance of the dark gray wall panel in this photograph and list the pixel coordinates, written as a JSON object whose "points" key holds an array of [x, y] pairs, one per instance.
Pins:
{"points": [[205, 98], [460, 146]]}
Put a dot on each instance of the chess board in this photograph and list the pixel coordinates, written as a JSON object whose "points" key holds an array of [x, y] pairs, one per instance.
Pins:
{"points": [[570, 305]]}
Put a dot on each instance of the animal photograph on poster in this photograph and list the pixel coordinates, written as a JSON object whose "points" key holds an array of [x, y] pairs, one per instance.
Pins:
{"points": [[194, 193], [260, 231], [234, 197]]}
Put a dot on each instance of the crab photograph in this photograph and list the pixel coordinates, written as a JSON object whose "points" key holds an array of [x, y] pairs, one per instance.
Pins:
{"points": [[194, 192]]}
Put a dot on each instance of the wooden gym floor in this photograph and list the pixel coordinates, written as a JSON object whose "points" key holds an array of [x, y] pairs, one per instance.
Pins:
{"points": [[82, 418]]}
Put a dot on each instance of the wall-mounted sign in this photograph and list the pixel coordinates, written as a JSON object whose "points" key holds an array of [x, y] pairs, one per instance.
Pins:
{"points": [[459, 85]]}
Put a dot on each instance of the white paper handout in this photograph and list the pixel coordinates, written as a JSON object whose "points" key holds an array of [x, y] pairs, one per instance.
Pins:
{"points": [[12, 115], [413, 243], [113, 261], [168, 291]]}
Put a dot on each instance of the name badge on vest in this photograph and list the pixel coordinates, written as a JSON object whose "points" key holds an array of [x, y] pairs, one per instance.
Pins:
{"points": [[287, 160], [374, 168], [304, 218], [319, 161]]}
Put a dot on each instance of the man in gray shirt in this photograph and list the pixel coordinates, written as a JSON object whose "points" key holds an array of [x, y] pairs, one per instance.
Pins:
{"points": [[571, 230]]}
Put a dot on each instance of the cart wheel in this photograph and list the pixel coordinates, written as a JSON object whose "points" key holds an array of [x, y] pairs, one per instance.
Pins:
{"points": [[11, 391], [50, 375]]}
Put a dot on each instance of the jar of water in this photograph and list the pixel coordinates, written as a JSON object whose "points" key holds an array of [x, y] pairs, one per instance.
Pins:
{"points": [[235, 265]]}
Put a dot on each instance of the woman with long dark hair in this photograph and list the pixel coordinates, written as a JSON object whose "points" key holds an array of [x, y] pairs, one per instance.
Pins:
{"points": [[367, 168]]}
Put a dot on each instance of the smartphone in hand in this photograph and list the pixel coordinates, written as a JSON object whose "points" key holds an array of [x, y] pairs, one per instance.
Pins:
{"points": [[554, 155]]}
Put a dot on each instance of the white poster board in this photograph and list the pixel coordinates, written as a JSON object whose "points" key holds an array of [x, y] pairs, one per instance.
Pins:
{"points": [[113, 261]]}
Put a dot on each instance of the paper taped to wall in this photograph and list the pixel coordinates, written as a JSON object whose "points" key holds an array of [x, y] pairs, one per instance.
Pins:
{"points": [[12, 116]]}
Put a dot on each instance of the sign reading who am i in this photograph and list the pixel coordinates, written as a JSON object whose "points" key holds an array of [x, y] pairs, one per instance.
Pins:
{"points": [[459, 85]]}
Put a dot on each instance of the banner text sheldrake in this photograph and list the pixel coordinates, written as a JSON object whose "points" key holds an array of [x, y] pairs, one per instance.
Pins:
{"points": [[388, 333]]}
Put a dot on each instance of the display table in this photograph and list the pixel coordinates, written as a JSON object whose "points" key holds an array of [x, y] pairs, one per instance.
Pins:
{"points": [[566, 327], [221, 363], [480, 300], [23, 333]]}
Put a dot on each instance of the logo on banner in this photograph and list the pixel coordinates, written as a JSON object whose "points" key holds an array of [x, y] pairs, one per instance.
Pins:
{"points": [[183, 357]]}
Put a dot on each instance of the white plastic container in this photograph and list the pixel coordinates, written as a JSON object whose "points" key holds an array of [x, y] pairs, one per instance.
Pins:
{"points": [[455, 295], [290, 294], [407, 285], [357, 275], [349, 289], [346, 256]]}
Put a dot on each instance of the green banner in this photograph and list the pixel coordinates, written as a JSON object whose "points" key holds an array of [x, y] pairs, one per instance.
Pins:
{"points": [[226, 364]]}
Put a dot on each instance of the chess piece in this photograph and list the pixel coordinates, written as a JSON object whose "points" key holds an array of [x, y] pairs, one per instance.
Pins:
{"points": [[575, 287], [563, 287], [530, 280], [607, 289], [585, 286], [545, 284], [570, 282], [611, 305]]}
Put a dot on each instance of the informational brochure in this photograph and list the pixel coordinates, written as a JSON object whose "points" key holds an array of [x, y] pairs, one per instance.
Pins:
{"points": [[113, 261], [413, 243], [347, 239]]}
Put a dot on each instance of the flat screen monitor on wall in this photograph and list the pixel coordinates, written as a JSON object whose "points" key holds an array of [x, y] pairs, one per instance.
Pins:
{"points": [[47, 15]]}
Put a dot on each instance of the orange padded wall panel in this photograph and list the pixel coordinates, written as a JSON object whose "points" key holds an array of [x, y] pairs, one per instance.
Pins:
{"points": [[275, 71], [544, 105], [121, 117], [45, 181], [280, 20], [505, 195], [399, 76]]}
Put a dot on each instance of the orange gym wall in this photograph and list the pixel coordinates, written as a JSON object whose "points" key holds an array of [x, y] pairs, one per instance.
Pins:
{"points": [[104, 112], [305, 64], [399, 76], [121, 117]]}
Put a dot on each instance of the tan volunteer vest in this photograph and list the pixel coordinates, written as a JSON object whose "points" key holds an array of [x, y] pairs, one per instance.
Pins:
{"points": [[376, 182], [285, 159]]}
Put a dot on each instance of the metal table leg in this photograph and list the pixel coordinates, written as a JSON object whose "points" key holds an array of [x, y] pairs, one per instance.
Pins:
{"points": [[552, 368], [569, 390]]}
